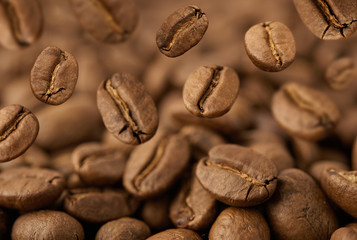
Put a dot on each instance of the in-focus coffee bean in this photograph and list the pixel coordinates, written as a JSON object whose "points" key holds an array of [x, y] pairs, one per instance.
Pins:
{"points": [[154, 167], [328, 20], [18, 130], [304, 112], [173, 234], [270, 46], [341, 187], [127, 110], [47, 224], [97, 164], [54, 76], [210, 91], [249, 178], [238, 224], [341, 73], [123, 229], [21, 23], [299, 209], [181, 31], [29, 188], [109, 21]]}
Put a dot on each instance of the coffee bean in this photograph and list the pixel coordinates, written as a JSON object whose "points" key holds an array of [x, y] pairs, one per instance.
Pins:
{"points": [[97, 206], [154, 167], [193, 207], [107, 20], [173, 234], [299, 210], [98, 165], [345, 233], [270, 46], [155, 212], [239, 223], [181, 31], [341, 73], [328, 20], [47, 224], [123, 229], [18, 130], [210, 91], [341, 187], [54, 76], [128, 111], [20, 23], [304, 112], [317, 168], [249, 178], [29, 188]]}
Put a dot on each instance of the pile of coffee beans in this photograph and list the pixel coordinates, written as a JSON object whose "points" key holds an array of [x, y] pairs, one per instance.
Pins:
{"points": [[166, 120]]}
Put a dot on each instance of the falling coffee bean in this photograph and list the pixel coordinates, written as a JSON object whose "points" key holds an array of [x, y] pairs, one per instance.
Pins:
{"points": [[54, 76], [181, 31], [127, 110], [18, 130], [270, 46], [210, 91]]}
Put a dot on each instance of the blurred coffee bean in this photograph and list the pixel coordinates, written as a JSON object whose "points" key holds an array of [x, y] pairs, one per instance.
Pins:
{"points": [[54, 76], [155, 212], [173, 234], [341, 73]]}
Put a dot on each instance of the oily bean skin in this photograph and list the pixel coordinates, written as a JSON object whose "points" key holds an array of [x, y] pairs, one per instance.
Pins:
{"points": [[97, 206], [20, 23], [47, 224], [270, 46], [193, 207], [127, 110], [97, 164], [250, 178], [341, 73], [108, 21], [29, 188], [181, 31], [18, 130], [174, 234], [210, 91], [240, 224], [153, 167], [54, 76], [328, 19], [341, 187], [123, 229], [304, 112], [298, 209]]}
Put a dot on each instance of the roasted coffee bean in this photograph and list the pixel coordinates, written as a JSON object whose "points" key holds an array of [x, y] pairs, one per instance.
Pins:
{"points": [[174, 234], [341, 187], [345, 233], [341, 73], [298, 209], [127, 110], [181, 31], [249, 178], [155, 212], [97, 206], [270, 46], [328, 19], [97, 164], [54, 76], [47, 224], [317, 168], [304, 112], [239, 223], [123, 229], [20, 23], [18, 130], [210, 91], [306, 153], [193, 207], [154, 167], [29, 188], [109, 21]]}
